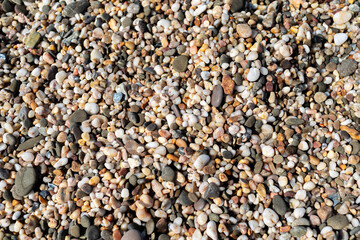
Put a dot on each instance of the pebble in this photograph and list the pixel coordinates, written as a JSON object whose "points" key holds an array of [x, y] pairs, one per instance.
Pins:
{"points": [[212, 191], [217, 96], [320, 97], [30, 143], [79, 116], [33, 39], [211, 230], [342, 17], [244, 30], [201, 161], [180, 63], [340, 38], [74, 8], [253, 74], [298, 231], [168, 174], [92, 108], [24, 181], [131, 235], [279, 205], [270, 217], [338, 222], [347, 67]]}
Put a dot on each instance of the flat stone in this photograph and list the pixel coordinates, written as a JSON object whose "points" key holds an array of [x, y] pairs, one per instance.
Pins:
{"points": [[30, 143], [342, 17], [168, 174], [347, 67], [32, 39], [132, 235], [74, 231], [279, 205], [320, 97], [85, 221], [78, 116], [74, 8], [217, 96], [180, 63], [298, 231], [338, 222], [24, 181], [150, 226], [92, 233], [291, 121], [250, 122], [212, 191], [301, 222]]}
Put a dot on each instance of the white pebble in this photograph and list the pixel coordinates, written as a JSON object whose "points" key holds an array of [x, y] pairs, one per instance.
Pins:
{"points": [[253, 74], [201, 161], [270, 217]]}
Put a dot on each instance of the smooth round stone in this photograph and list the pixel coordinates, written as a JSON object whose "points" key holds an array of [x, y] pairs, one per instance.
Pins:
{"points": [[92, 233], [85, 221], [342, 17], [217, 96], [253, 74], [227, 154], [244, 30], [279, 205], [132, 235], [201, 161], [340, 38], [270, 217], [180, 63], [75, 231], [267, 151], [24, 181], [338, 222], [92, 108], [308, 186]]}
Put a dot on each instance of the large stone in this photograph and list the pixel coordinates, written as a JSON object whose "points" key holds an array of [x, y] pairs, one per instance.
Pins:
{"points": [[180, 63], [75, 7], [132, 235], [347, 67], [279, 205], [24, 181], [32, 39], [30, 143], [217, 96], [338, 222]]}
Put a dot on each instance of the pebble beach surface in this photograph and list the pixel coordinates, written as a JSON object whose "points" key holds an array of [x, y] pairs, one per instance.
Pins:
{"points": [[168, 119]]}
